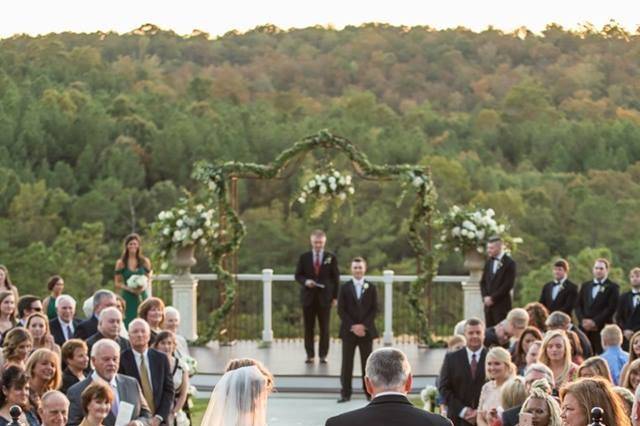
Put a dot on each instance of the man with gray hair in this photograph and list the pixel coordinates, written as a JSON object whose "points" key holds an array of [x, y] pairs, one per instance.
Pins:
{"points": [[558, 320], [388, 380], [101, 299], [109, 325], [64, 325]]}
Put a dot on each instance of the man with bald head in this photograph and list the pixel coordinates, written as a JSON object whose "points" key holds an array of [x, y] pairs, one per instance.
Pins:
{"points": [[109, 324], [151, 369], [54, 409], [105, 357]]}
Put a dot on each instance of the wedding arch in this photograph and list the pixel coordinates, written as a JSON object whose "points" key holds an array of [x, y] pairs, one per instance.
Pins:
{"points": [[416, 179]]}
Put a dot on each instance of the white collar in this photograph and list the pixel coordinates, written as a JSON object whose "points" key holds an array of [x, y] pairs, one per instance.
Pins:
{"points": [[477, 353], [500, 256], [139, 355], [602, 281], [378, 395], [113, 382], [358, 282], [63, 322]]}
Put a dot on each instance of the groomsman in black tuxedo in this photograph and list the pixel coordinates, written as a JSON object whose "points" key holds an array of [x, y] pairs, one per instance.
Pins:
{"points": [[559, 294], [628, 315], [357, 307], [318, 275], [462, 376], [497, 281], [597, 303]]}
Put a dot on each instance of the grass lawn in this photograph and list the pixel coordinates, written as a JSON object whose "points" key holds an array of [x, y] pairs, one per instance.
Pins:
{"points": [[199, 407]]}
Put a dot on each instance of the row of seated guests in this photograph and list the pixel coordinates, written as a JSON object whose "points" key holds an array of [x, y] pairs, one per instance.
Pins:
{"points": [[159, 371], [482, 384]]}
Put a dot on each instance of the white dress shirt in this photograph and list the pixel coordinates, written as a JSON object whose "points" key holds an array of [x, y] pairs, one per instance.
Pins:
{"points": [[359, 285], [597, 287], [496, 262], [138, 357], [556, 288]]}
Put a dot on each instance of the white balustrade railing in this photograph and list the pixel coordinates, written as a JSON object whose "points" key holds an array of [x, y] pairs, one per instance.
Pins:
{"points": [[184, 293]]}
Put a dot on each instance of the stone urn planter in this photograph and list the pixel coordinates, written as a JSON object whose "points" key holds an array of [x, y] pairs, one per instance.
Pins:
{"points": [[184, 259]]}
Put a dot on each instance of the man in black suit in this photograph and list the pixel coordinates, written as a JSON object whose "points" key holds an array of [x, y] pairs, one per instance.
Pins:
{"points": [[357, 307], [558, 320], [497, 281], [628, 314], [318, 275], [388, 379], [535, 371], [64, 325], [109, 328], [463, 375], [105, 358], [559, 294], [597, 302], [102, 299], [151, 369]]}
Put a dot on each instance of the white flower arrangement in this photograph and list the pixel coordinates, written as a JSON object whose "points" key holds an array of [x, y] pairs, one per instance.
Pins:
{"points": [[190, 364], [468, 229], [187, 224], [137, 281], [329, 185], [429, 396]]}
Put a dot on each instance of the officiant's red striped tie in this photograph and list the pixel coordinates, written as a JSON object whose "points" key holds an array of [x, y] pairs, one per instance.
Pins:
{"points": [[316, 263]]}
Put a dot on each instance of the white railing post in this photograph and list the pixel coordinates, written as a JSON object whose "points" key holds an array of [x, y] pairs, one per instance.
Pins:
{"points": [[267, 279], [387, 337]]}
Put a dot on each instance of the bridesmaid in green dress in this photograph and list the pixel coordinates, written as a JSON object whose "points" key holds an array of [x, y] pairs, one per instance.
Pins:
{"points": [[55, 285], [132, 262]]}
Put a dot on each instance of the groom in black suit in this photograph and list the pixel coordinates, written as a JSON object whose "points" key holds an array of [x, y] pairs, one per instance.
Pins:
{"points": [[357, 307], [318, 275], [559, 294], [388, 380], [497, 281], [597, 302]]}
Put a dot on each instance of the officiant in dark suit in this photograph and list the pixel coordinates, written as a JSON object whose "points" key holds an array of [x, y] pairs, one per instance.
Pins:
{"points": [[357, 307], [597, 302], [628, 314], [498, 278], [559, 294], [319, 277]]}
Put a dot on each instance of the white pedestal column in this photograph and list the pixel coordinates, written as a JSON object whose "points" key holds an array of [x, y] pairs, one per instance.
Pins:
{"points": [[387, 337], [267, 331]]}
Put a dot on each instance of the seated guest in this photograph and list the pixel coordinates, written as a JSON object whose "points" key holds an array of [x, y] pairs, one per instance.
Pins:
{"points": [[511, 327], [542, 408], [64, 325], [150, 368], [499, 370], [595, 367], [38, 326], [15, 391], [513, 394], [611, 336], [556, 354], [171, 323], [627, 316], [559, 294], [463, 374], [631, 379], [561, 321], [519, 356], [626, 396], [75, 356], [534, 375], [54, 409], [152, 311], [533, 354], [7, 311], [634, 353], [576, 349], [166, 343], [55, 285], [16, 347], [580, 396], [97, 400], [27, 305], [105, 357], [43, 369], [102, 299], [388, 380], [538, 315], [109, 328]]}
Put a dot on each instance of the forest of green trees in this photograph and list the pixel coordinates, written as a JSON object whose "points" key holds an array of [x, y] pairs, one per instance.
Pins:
{"points": [[99, 132]]}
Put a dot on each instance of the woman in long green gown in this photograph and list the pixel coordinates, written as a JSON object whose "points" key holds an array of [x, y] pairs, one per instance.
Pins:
{"points": [[131, 263]]}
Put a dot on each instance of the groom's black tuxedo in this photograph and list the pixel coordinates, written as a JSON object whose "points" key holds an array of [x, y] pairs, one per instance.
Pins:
{"points": [[316, 301], [498, 286], [599, 309], [356, 311]]}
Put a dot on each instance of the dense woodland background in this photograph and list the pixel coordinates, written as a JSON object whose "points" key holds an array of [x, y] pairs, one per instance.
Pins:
{"points": [[98, 133]]}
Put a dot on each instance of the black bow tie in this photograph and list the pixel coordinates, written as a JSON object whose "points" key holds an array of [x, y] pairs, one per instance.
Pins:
{"points": [[557, 283], [636, 293], [598, 283]]}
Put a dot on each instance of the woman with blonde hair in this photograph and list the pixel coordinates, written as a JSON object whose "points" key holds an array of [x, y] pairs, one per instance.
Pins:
{"points": [[499, 370], [634, 353], [43, 369], [542, 408], [595, 366], [631, 378], [579, 397], [556, 354], [38, 326], [7, 311]]}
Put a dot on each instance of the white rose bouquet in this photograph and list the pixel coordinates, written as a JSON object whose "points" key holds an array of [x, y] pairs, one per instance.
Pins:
{"points": [[138, 282], [322, 189]]}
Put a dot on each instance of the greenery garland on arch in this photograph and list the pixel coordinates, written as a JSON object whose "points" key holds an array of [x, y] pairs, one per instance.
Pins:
{"points": [[218, 176]]}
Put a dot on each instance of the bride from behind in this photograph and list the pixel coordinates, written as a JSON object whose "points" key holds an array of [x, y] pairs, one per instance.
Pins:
{"points": [[239, 399]]}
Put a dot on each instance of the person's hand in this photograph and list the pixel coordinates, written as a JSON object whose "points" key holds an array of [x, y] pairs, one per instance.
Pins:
{"points": [[310, 283], [589, 324], [628, 334], [155, 421], [470, 415], [358, 329], [334, 302], [488, 301]]}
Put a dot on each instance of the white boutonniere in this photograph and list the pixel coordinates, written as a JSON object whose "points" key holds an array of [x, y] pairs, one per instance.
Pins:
{"points": [[327, 261], [601, 288], [365, 286]]}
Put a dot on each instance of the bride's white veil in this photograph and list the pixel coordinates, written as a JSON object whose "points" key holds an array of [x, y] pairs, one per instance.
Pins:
{"points": [[239, 399]]}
